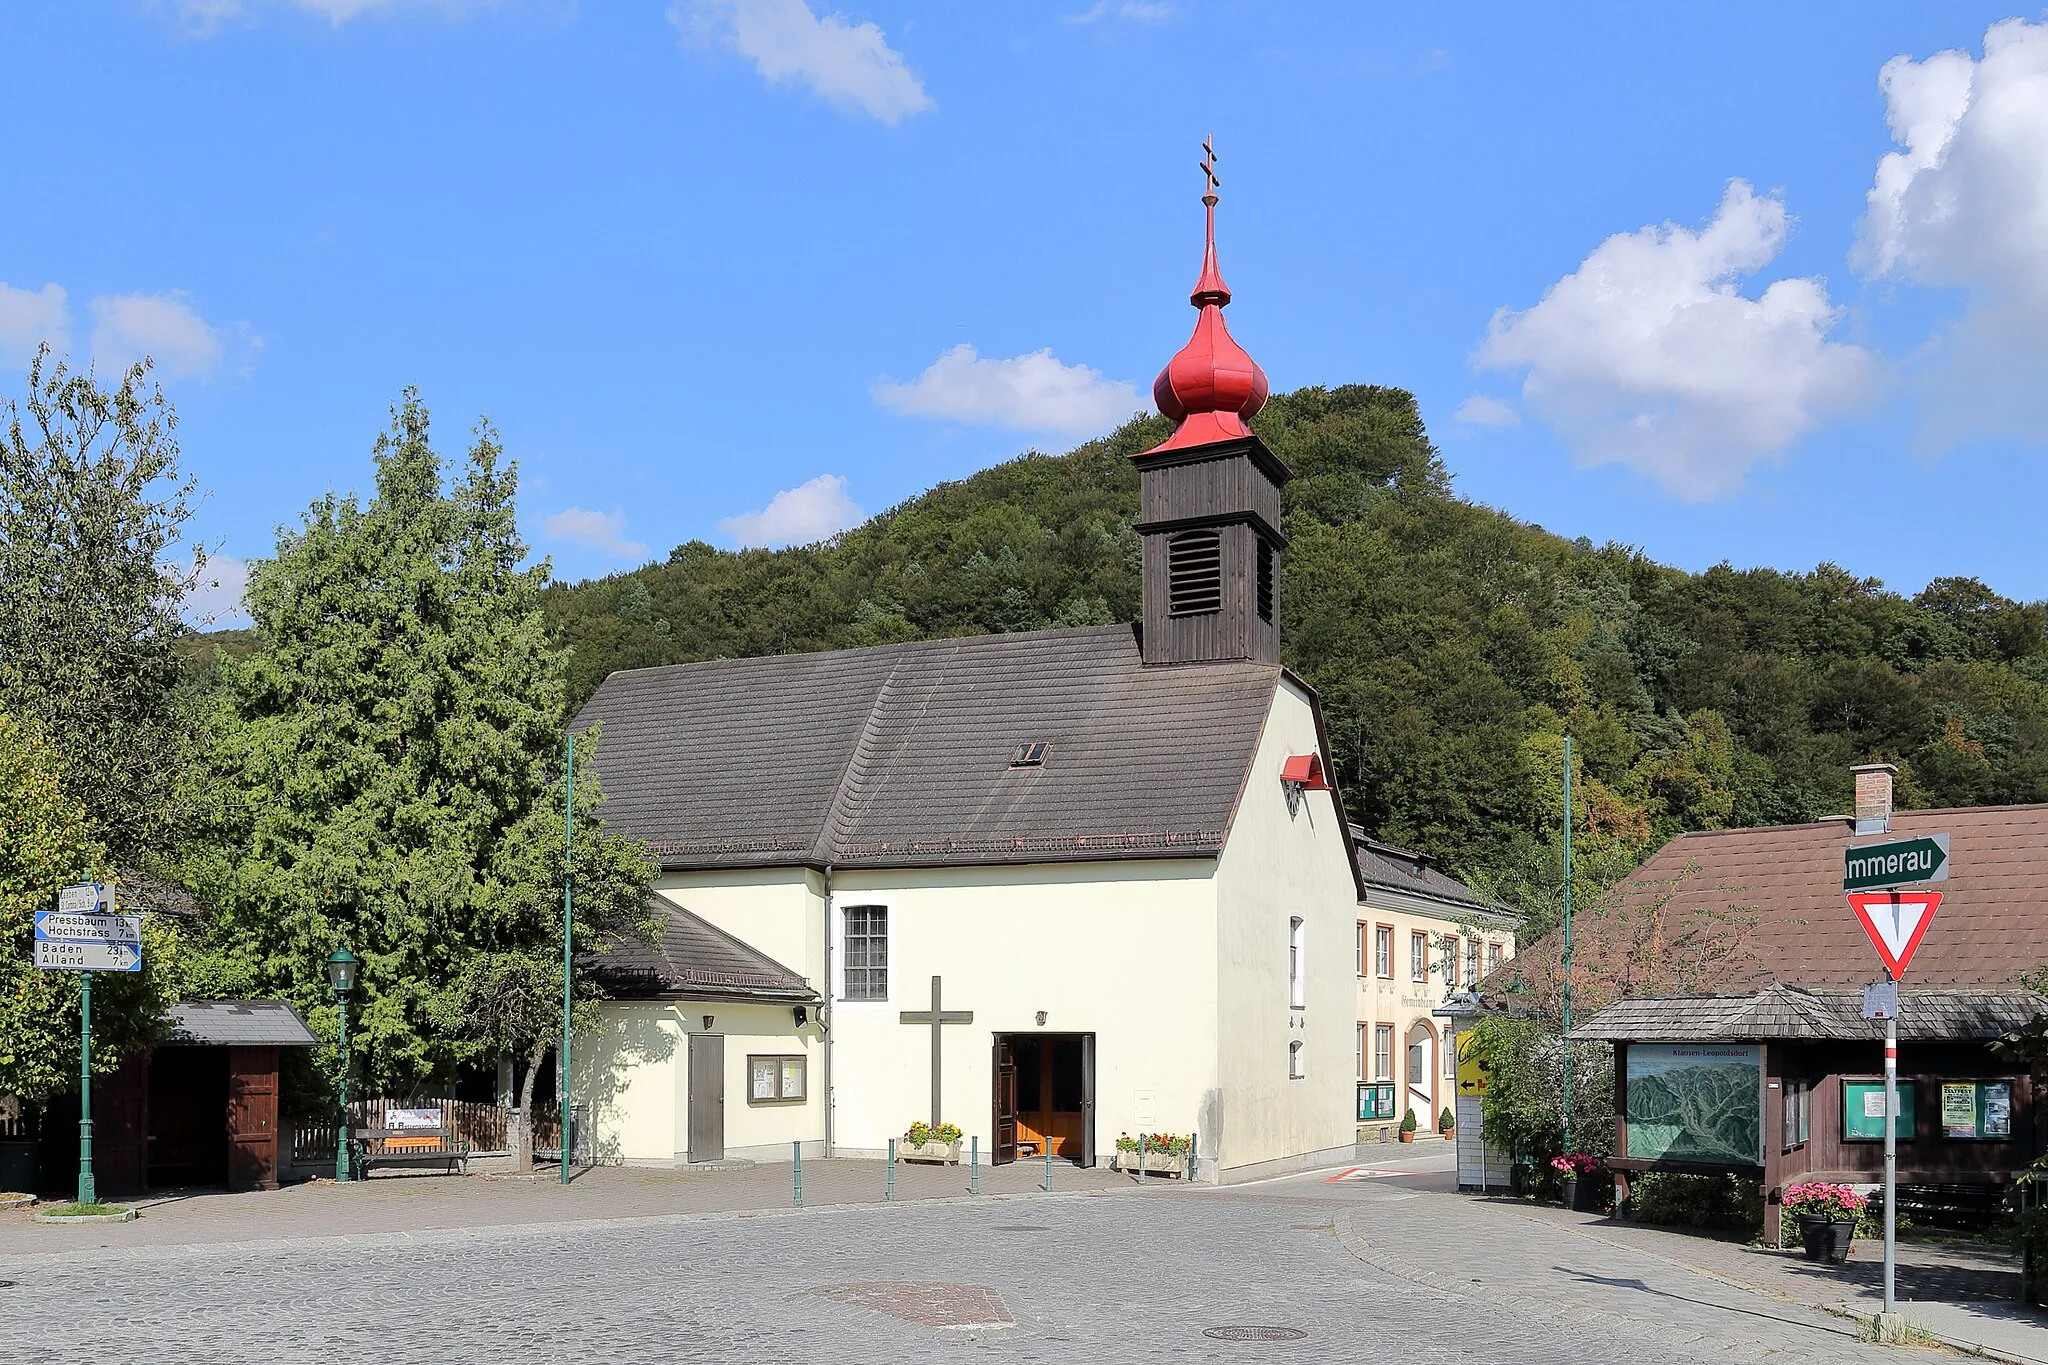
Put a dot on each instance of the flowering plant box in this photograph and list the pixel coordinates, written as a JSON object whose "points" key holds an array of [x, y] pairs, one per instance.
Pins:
{"points": [[944, 1153]]}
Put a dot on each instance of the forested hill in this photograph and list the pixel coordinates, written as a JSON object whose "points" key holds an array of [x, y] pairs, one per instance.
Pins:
{"points": [[1452, 644]]}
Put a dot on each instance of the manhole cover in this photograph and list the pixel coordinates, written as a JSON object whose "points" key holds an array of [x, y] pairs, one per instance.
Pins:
{"points": [[1021, 1227], [1254, 1333]]}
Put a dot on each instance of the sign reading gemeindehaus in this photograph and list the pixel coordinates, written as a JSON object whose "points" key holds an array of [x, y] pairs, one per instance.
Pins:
{"points": [[1896, 862]]}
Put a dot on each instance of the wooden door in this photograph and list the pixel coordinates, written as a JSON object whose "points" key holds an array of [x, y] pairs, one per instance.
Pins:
{"points": [[252, 1118], [707, 1097], [1087, 1099], [120, 1103], [1005, 1124]]}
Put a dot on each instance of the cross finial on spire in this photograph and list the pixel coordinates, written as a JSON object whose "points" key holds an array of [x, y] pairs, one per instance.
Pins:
{"points": [[1209, 171]]}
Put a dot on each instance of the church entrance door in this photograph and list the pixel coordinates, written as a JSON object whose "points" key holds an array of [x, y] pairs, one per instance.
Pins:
{"points": [[707, 1097], [1045, 1096]]}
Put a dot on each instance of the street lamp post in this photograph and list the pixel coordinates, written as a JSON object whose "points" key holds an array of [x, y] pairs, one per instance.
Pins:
{"points": [[341, 976]]}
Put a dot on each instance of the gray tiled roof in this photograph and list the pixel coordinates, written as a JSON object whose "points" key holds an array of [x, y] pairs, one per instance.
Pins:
{"points": [[1401, 869], [237, 1023], [1781, 1011], [694, 959], [901, 754]]}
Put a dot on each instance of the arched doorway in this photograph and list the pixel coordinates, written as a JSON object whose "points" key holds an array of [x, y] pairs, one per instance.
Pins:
{"points": [[1420, 1089]]}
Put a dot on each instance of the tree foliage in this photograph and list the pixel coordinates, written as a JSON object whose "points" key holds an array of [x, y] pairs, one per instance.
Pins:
{"points": [[1453, 646], [386, 768], [92, 507], [45, 843]]}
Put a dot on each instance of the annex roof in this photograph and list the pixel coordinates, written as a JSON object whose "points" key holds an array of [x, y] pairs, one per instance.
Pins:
{"points": [[1779, 1011], [1400, 869], [694, 959], [236, 1023], [902, 755]]}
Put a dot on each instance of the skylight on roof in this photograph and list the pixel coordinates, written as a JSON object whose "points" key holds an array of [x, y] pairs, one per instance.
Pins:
{"points": [[1030, 755]]}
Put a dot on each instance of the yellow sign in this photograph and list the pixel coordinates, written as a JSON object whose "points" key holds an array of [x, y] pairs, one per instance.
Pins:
{"points": [[1471, 1066]]}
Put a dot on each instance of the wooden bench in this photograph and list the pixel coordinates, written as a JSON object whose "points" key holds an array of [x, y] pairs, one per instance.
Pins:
{"points": [[409, 1147]]}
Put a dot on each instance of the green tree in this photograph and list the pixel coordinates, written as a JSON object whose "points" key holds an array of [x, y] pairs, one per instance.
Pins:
{"points": [[387, 766], [45, 843], [92, 510]]}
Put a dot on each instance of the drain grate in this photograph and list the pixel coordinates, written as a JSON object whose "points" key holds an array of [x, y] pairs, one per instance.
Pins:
{"points": [[1254, 1333], [6, 1284]]}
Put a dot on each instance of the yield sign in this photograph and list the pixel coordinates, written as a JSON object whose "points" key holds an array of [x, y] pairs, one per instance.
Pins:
{"points": [[1895, 921]]}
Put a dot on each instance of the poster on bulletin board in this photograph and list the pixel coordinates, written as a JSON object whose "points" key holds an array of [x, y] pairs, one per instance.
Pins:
{"points": [[1958, 1109]]}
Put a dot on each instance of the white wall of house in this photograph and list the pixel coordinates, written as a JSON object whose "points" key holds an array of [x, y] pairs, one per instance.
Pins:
{"points": [[634, 1075], [1279, 865]]}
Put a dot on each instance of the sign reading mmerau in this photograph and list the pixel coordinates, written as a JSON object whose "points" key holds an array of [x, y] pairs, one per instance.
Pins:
{"points": [[1897, 862]]}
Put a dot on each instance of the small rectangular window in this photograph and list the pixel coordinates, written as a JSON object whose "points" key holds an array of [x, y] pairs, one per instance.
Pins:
{"points": [[1418, 956], [1471, 961], [1297, 964], [1194, 573], [867, 953], [1383, 952], [1030, 755], [1361, 948], [1492, 957], [1798, 1112], [775, 1080], [1451, 961], [1361, 1052], [1383, 1052]]}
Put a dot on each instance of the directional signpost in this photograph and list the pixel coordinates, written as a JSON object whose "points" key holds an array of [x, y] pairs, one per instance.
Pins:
{"points": [[1896, 921], [84, 935]]}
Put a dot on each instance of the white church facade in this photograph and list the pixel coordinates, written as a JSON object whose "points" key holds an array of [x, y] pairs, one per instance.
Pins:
{"points": [[1052, 887]]}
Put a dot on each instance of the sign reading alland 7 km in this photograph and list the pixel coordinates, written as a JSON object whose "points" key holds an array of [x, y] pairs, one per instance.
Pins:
{"points": [[1896, 862]]}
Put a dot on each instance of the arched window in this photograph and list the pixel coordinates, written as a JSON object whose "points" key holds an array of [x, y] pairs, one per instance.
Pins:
{"points": [[1297, 962], [1194, 573], [1297, 1062]]}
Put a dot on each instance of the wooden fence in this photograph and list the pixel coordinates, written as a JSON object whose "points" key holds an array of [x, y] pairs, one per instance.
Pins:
{"points": [[480, 1123]]}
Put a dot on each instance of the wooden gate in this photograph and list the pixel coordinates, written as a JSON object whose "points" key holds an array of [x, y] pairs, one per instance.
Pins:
{"points": [[252, 1118], [1006, 1102]]}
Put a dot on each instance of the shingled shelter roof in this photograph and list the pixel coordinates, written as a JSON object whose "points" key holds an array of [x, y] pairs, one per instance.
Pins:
{"points": [[236, 1023], [694, 959], [1779, 1011], [903, 755]]}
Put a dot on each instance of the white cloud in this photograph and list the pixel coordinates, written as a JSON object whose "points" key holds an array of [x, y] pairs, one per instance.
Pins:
{"points": [[809, 512], [1138, 11], [215, 602], [851, 65], [1481, 411], [1649, 356], [29, 317], [163, 327], [604, 532], [1964, 205], [1033, 392]]}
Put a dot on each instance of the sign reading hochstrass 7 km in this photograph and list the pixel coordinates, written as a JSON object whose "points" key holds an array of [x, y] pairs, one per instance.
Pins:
{"points": [[1896, 862]]}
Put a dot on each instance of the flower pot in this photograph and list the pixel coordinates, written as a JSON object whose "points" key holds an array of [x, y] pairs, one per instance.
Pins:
{"points": [[940, 1153], [1447, 1134], [1582, 1193], [1826, 1239], [1156, 1163], [1407, 1135]]}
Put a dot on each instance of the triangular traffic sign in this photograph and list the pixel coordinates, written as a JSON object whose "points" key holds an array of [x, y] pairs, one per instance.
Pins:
{"points": [[1895, 921]]}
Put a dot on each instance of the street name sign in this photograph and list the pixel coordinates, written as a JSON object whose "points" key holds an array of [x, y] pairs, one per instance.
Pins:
{"points": [[55, 924], [1896, 862], [1896, 922], [69, 956], [1881, 1000], [85, 898]]}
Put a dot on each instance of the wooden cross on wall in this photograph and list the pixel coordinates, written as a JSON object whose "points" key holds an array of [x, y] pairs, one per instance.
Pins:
{"points": [[937, 1018]]}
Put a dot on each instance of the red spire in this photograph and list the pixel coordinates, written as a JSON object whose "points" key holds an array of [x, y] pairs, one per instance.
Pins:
{"points": [[1211, 387]]}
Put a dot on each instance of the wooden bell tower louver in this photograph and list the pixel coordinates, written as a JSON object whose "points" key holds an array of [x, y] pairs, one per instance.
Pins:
{"points": [[1209, 495]]}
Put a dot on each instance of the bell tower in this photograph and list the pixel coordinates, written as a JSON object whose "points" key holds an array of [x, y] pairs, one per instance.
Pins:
{"points": [[1209, 495]]}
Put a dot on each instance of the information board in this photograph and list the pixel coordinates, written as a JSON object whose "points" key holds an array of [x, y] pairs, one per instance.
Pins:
{"points": [[1976, 1110], [1863, 1111], [1696, 1102]]}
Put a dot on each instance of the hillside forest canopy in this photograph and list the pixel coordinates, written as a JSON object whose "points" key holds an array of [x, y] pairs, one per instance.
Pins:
{"points": [[1452, 645]]}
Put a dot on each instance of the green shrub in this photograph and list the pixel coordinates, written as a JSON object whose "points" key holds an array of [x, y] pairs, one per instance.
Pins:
{"points": [[1408, 1123], [1716, 1203]]}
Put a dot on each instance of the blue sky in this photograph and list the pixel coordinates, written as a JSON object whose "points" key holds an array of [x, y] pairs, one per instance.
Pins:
{"points": [[711, 265]]}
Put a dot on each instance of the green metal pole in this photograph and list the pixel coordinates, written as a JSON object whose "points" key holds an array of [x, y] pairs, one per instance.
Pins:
{"points": [[568, 841], [1567, 942], [891, 1193], [344, 1169], [974, 1165], [796, 1153], [87, 1194]]}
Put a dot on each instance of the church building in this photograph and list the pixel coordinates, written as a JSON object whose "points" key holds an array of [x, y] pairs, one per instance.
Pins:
{"points": [[1053, 887]]}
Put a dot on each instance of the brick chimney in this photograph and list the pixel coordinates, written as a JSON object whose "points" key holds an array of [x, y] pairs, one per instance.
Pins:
{"points": [[1874, 797]]}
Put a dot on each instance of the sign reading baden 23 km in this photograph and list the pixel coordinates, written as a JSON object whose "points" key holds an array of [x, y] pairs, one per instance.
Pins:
{"points": [[1896, 920]]}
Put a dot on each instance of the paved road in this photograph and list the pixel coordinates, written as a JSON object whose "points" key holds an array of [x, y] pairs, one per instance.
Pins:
{"points": [[1370, 1268]]}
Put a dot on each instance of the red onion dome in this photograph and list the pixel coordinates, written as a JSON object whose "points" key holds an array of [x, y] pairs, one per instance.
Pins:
{"points": [[1211, 387]]}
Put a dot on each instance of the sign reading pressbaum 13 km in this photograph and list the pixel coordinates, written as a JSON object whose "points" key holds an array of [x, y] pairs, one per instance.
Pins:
{"points": [[1896, 862]]}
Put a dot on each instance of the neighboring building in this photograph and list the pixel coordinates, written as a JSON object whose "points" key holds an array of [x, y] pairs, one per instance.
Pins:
{"points": [[1052, 887], [1763, 1062], [1420, 935]]}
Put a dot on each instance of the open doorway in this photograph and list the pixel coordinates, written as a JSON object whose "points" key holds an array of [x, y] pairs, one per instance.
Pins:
{"points": [[1045, 1097]]}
